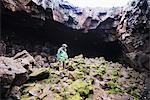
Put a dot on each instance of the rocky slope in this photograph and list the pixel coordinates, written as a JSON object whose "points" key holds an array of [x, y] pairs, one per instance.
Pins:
{"points": [[81, 79]]}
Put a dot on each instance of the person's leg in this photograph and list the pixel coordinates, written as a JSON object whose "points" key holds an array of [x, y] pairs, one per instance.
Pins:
{"points": [[63, 64]]}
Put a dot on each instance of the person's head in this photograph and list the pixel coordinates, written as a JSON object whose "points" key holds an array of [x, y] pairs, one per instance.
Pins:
{"points": [[64, 46]]}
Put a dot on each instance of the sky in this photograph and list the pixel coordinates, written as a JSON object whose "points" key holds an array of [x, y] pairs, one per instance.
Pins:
{"points": [[98, 3]]}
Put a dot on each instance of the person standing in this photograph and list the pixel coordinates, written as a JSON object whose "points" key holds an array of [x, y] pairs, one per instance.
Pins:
{"points": [[62, 55]]}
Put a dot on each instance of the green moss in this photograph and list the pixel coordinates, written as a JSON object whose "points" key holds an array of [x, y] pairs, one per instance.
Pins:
{"points": [[81, 87], [133, 90], [27, 89], [90, 81], [76, 81], [115, 72], [113, 87], [47, 81], [84, 70], [79, 75], [101, 71], [75, 97], [90, 97], [29, 98], [69, 81], [114, 78], [79, 61], [57, 96]]}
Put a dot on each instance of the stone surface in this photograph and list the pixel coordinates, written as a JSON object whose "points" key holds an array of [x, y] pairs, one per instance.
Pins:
{"points": [[133, 32], [64, 12], [12, 73], [15, 93], [2, 48], [130, 25], [26, 60], [116, 83], [38, 74]]}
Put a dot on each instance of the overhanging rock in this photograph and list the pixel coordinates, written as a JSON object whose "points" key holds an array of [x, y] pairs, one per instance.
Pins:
{"points": [[64, 12]]}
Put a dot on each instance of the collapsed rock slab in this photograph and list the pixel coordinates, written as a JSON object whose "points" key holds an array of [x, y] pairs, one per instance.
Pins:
{"points": [[12, 73], [39, 74], [25, 59]]}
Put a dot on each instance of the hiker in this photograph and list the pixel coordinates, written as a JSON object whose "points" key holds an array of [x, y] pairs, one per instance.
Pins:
{"points": [[62, 55]]}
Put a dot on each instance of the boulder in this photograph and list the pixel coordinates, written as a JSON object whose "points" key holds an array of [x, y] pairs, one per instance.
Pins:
{"points": [[12, 73], [26, 60], [39, 60]]}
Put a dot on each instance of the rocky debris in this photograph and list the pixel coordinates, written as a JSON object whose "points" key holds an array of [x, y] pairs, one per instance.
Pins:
{"points": [[44, 60], [12, 73], [91, 78], [38, 74], [15, 93], [133, 32]]}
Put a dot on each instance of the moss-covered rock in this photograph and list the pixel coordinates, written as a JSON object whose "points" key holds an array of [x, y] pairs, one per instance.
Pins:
{"points": [[39, 74], [82, 78]]}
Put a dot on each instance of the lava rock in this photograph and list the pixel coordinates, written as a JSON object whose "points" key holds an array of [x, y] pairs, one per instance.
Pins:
{"points": [[39, 74], [25, 59], [12, 73]]}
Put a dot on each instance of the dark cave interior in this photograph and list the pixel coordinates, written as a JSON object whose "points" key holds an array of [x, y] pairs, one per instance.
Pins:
{"points": [[19, 28]]}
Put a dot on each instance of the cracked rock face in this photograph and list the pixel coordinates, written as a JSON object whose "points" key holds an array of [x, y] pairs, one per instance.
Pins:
{"points": [[12, 73], [133, 32], [64, 12]]}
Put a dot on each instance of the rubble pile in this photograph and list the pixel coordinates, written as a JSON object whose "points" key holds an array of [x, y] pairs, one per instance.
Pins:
{"points": [[84, 78]]}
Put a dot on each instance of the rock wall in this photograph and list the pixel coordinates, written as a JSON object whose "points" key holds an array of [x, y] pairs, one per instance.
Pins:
{"points": [[64, 12], [133, 32]]}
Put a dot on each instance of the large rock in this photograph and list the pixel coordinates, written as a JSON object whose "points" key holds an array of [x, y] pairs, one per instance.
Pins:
{"points": [[26, 60], [39, 74], [12, 73]]}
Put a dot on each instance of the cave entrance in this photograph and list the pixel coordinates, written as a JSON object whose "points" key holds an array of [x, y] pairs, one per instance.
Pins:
{"points": [[20, 29]]}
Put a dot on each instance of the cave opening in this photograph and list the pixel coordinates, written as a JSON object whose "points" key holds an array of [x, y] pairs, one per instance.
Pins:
{"points": [[19, 28]]}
